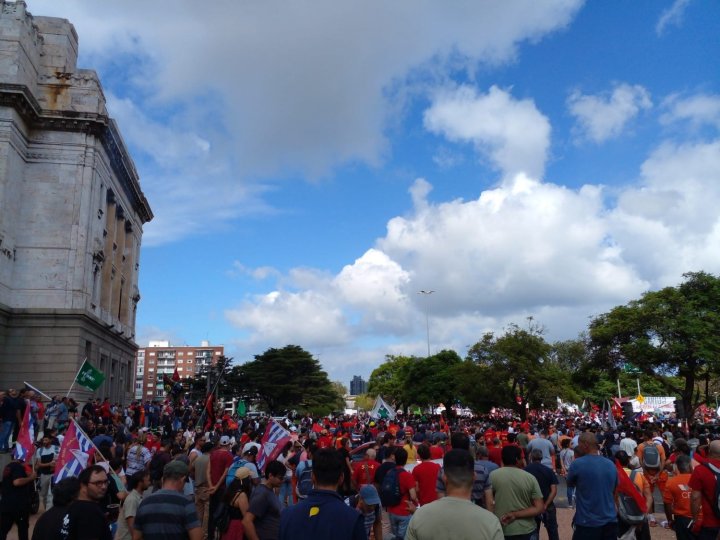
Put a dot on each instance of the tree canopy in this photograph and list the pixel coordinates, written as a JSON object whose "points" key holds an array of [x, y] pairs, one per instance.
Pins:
{"points": [[287, 379], [671, 335]]}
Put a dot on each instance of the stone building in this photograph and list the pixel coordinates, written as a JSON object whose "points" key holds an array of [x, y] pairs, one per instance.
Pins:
{"points": [[71, 216]]}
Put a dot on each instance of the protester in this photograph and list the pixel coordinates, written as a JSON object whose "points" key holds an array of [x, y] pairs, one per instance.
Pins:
{"points": [[237, 498], [455, 516], [167, 513], [87, 519], [676, 499], [594, 478], [137, 484], [17, 485], [262, 520], [45, 459], [548, 482], [54, 524], [323, 515], [703, 484]]}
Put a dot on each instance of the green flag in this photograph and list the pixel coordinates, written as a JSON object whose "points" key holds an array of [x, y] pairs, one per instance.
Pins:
{"points": [[89, 377], [241, 408]]}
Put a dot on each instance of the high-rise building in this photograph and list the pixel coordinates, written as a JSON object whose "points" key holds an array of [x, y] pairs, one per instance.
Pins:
{"points": [[358, 386], [160, 358], [71, 216]]}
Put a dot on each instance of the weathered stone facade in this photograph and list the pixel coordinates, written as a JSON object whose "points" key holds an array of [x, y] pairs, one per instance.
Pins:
{"points": [[71, 216]]}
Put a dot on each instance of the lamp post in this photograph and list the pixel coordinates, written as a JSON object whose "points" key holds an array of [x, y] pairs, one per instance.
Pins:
{"points": [[427, 318]]}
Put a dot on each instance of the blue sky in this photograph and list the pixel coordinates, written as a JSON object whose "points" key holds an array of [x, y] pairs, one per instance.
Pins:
{"points": [[313, 165]]}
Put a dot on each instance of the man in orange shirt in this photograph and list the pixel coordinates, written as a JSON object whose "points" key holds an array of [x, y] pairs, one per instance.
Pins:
{"points": [[677, 498]]}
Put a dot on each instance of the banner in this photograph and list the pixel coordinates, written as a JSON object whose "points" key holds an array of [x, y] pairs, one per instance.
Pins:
{"points": [[89, 377], [73, 456], [24, 447], [275, 438], [382, 410]]}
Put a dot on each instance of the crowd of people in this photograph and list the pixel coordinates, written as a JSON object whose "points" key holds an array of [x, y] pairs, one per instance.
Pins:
{"points": [[176, 470]]}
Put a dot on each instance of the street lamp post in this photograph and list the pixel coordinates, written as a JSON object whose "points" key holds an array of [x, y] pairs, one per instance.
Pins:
{"points": [[427, 318]]}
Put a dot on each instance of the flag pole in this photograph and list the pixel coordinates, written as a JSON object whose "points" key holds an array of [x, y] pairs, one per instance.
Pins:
{"points": [[43, 394], [202, 415], [76, 376]]}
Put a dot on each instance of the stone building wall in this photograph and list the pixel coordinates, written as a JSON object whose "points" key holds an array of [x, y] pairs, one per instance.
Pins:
{"points": [[71, 216]]}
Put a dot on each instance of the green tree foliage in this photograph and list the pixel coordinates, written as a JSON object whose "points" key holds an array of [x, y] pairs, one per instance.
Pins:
{"points": [[671, 335], [518, 363], [287, 379], [389, 380], [433, 380]]}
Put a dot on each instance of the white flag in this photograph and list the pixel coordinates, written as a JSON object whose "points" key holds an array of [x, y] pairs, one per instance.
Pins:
{"points": [[382, 410]]}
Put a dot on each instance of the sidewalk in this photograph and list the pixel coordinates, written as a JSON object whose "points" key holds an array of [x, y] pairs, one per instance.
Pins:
{"points": [[565, 515]]}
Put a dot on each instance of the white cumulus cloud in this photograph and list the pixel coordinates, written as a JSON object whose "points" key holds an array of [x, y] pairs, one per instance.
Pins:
{"points": [[512, 133], [604, 116]]}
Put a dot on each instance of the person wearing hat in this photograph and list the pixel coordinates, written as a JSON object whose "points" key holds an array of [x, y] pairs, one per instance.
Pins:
{"points": [[244, 456], [323, 515], [167, 513], [367, 502], [219, 464], [237, 497]]}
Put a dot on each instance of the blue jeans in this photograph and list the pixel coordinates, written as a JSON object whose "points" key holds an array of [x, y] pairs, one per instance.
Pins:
{"points": [[5, 432], [399, 525], [570, 495], [286, 493]]}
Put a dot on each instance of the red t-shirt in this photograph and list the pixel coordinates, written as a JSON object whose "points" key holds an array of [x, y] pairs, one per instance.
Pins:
{"points": [[364, 471], [325, 442], [426, 474], [495, 455], [407, 482], [703, 480], [436, 452], [220, 460]]}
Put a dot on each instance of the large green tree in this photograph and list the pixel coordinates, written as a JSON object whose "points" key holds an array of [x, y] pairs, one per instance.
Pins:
{"points": [[287, 379], [433, 380], [389, 379], [671, 335]]}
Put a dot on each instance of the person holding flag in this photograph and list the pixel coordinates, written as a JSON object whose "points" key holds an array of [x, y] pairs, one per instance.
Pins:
{"points": [[18, 483]]}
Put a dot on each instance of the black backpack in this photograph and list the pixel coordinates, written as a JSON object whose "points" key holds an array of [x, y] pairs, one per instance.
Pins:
{"points": [[628, 510], [390, 488]]}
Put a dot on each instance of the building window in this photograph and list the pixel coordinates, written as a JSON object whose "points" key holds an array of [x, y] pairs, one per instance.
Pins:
{"points": [[151, 369], [152, 354]]}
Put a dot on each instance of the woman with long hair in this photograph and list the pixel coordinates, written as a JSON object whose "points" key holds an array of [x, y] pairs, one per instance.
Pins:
{"points": [[138, 457], [237, 497]]}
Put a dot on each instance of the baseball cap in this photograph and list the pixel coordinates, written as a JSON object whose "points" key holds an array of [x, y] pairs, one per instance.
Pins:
{"points": [[224, 440], [176, 467], [251, 448], [369, 494]]}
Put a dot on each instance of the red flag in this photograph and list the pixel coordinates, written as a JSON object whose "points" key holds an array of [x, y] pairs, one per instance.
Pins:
{"points": [[317, 428], [274, 440], [626, 486], [209, 412], [176, 376], [73, 455], [24, 447]]}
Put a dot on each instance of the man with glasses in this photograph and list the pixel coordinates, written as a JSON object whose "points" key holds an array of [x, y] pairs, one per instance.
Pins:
{"points": [[87, 519], [167, 513]]}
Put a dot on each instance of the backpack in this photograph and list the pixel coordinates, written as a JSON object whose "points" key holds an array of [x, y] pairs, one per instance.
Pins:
{"points": [[651, 456], [305, 481], [715, 502], [390, 488], [628, 510], [233, 469], [222, 517]]}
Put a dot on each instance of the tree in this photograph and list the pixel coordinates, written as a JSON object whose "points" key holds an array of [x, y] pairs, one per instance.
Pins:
{"points": [[519, 363], [389, 380], [364, 402], [433, 380], [671, 335], [340, 388], [288, 379]]}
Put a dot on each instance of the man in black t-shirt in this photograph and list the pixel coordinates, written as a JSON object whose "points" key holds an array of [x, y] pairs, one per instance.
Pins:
{"points": [[17, 486], [55, 523], [548, 481], [87, 519]]}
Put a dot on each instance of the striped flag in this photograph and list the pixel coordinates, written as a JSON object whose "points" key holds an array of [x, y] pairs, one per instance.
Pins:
{"points": [[73, 455], [24, 447], [274, 440]]}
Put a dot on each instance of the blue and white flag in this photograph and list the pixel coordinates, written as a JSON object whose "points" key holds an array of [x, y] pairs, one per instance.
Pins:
{"points": [[73, 455]]}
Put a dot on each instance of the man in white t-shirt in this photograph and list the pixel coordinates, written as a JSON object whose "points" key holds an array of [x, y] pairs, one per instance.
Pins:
{"points": [[628, 444]]}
